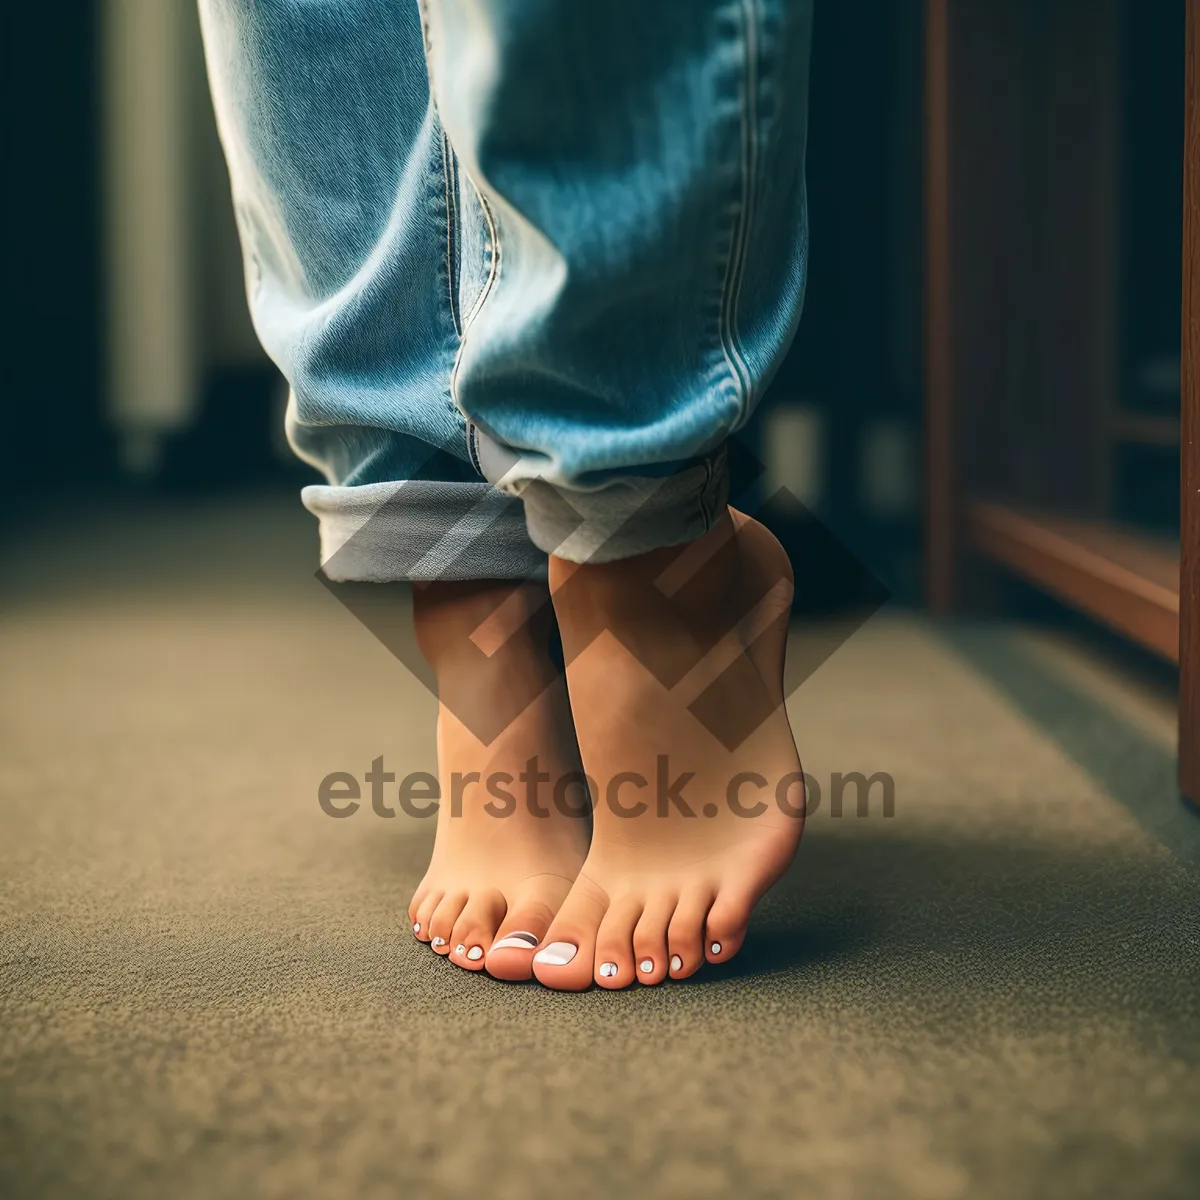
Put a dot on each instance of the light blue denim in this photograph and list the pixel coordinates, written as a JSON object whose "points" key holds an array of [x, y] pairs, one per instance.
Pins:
{"points": [[525, 264]]}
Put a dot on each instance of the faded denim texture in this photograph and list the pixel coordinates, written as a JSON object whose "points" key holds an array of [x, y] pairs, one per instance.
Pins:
{"points": [[524, 263]]}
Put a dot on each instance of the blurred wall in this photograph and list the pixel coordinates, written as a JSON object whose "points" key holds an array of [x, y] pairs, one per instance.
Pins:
{"points": [[174, 304], [119, 247]]}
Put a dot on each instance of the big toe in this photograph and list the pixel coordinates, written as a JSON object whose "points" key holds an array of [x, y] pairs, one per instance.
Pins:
{"points": [[522, 930], [564, 961]]}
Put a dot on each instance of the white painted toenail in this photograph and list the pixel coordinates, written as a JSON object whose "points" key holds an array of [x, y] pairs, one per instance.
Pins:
{"points": [[460, 949], [676, 963], [557, 954], [646, 966], [438, 942], [417, 927], [716, 947], [475, 953], [516, 940], [608, 970]]}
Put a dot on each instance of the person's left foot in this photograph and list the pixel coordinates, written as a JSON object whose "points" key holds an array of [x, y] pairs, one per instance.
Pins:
{"points": [[506, 854]]}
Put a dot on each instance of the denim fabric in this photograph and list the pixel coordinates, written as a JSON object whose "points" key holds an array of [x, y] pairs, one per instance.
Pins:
{"points": [[553, 245]]}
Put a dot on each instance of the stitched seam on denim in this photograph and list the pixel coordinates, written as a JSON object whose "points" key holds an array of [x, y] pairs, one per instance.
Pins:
{"points": [[705, 514], [752, 153], [473, 448], [716, 468], [451, 282], [494, 256], [493, 252], [457, 198], [427, 45], [735, 268], [493, 246]]}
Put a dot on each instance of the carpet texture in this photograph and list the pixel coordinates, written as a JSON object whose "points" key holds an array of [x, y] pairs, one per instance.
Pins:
{"points": [[207, 987]]}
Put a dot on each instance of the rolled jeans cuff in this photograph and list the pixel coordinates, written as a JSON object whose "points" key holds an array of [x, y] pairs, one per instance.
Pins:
{"points": [[422, 530], [620, 516]]}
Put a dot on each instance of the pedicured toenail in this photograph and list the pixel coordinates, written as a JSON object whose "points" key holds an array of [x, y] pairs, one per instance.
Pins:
{"points": [[557, 954], [716, 947], [516, 940], [608, 970], [417, 927], [646, 966], [475, 953], [438, 942], [460, 949], [676, 963]]}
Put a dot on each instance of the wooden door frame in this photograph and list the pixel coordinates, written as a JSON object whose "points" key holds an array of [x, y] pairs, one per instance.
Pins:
{"points": [[941, 485], [945, 521], [1189, 580]]}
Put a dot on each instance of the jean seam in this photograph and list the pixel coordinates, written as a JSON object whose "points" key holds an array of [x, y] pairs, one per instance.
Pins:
{"points": [[702, 498], [451, 235], [447, 153], [473, 448], [492, 249], [494, 254], [715, 468], [739, 243]]}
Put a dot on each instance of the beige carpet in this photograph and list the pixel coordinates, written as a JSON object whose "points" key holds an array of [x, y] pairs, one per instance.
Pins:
{"points": [[207, 987]]}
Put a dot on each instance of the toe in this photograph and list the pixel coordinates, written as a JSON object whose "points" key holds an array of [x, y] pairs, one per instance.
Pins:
{"points": [[475, 929], [414, 905], [614, 962], [685, 933], [650, 939], [565, 958], [725, 929], [523, 928], [441, 923], [424, 912]]}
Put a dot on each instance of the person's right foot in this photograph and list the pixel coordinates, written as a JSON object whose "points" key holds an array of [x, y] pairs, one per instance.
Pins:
{"points": [[665, 692], [501, 867]]}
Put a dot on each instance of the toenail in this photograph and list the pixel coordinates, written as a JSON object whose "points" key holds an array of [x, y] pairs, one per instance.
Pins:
{"points": [[608, 970], [417, 927], [646, 966], [460, 949], [557, 954], [438, 942], [716, 947], [516, 940], [475, 953], [676, 963]]}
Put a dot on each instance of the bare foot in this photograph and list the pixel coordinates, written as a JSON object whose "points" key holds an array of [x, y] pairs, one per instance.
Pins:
{"points": [[675, 672], [505, 855]]}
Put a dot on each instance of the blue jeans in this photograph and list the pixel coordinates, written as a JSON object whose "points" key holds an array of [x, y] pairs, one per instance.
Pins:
{"points": [[525, 263]]}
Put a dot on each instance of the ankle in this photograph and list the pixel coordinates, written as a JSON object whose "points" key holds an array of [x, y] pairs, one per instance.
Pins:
{"points": [[689, 589], [469, 625]]}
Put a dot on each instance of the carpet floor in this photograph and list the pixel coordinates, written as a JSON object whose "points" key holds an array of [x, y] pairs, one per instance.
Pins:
{"points": [[208, 988]]}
